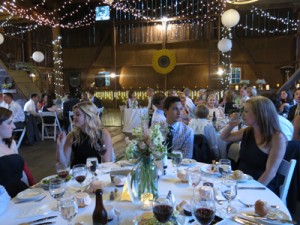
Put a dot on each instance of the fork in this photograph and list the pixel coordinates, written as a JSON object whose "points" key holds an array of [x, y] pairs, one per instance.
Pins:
{"points": [[252, 205], [37, 200]]}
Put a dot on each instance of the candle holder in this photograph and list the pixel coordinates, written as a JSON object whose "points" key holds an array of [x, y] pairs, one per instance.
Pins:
{"points": [[146, 200]]}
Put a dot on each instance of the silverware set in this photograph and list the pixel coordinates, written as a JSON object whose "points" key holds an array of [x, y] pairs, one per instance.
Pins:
{"points": [[30, 200], [41, 221]]}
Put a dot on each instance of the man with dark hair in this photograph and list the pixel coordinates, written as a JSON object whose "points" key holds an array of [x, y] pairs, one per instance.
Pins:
{"points": [[17, 111], [31, 106], [158, 114], [94, 99], [295, 110], [180, 136]]}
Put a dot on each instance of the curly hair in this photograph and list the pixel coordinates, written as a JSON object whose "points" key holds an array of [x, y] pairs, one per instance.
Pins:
{"points": [[5, 114], [93, 124]]}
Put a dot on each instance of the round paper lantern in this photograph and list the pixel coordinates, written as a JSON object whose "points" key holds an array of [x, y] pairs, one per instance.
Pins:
{"points": [[1, 38], [38, 56], [230, 18], [224, 45]]}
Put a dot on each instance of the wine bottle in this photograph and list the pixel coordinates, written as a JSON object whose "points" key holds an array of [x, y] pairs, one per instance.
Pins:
{"points": [[99, 214], [214, 120]]}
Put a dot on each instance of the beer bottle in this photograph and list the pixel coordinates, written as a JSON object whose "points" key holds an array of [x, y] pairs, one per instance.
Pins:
{"points": [[99, 214]]}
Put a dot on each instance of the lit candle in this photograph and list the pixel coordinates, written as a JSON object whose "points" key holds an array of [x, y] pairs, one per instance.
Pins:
{"points": [[146, 200], [236, 87], [267, 87]]}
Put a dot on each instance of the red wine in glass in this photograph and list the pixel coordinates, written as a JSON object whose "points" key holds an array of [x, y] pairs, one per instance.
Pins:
{"points": [[163, 212], [80, 178], [204, 216], [63, 174]]}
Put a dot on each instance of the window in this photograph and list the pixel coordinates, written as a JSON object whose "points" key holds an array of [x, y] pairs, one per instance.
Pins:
{"points": [[235, 73]]}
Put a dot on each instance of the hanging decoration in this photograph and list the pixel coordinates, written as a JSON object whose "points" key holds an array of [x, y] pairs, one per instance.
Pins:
{"points": [[224, 45], [230, 18], [58, 67], [38, 56], [1, 39], [164, 61]]}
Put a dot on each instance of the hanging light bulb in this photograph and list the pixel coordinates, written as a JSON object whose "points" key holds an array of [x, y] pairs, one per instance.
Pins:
{"points": [[38, 56], [224, 45], [230, 18]]}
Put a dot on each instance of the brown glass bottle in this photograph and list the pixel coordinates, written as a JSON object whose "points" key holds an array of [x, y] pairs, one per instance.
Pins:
{"points": [[99, 214]]}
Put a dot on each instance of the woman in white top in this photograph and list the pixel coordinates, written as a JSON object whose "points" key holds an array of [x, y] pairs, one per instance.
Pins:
{"points": [[201, 125], [211, 105], [132, 102]]}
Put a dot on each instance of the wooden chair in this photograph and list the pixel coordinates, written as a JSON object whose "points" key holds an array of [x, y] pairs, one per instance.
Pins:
{"points": [[52, 117], [286, 169]]}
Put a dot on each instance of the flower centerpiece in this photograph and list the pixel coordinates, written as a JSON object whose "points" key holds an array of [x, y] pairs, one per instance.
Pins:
{"points": [[148, 145]]}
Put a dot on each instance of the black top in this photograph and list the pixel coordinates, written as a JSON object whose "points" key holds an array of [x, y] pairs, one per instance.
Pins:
{"points": [[48, 119], [229, 108], [84, 150], [97, 102], [11, 167]]}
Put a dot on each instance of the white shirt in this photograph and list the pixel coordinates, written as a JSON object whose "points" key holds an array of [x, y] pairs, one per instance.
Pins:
{"points": [[191, 106], [30, 107], [17, 111], [158, 117], [287, 127]]}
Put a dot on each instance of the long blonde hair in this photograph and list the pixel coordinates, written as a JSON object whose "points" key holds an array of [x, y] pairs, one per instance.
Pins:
{"points": [[266, 117], [93, 124]]}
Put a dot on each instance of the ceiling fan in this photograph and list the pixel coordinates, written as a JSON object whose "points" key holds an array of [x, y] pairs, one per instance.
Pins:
{"points": [[240, 2]]}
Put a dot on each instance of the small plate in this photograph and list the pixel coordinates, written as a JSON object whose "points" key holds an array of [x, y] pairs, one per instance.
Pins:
{"points": [[244, 179], [208, 170], [274, 213], [30, 194], [44, 183], [188, 162]]}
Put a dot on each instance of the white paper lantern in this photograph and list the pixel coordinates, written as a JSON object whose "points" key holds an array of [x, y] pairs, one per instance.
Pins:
{"points": [[38, 56], [224, 45], [230, 18], [1, 39]]}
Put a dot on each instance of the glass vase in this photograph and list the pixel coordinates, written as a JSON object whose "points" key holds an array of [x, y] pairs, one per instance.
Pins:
{"points": [[145, 178]]}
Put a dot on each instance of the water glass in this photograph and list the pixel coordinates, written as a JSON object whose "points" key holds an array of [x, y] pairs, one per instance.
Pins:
{"points": [[57, 189], [229, 192], [194, 178], [176, 159], [224, 167], [68, 208]]}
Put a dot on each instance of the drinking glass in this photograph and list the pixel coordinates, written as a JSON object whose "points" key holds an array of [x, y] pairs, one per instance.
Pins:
{"points": [[204, 210], [163, 208], [57, 189], [102, 150], [80, 173], [176, 159], [229, 191], [62, 169], [194, 178], [92, 164], [224, 167], [68, 208]]}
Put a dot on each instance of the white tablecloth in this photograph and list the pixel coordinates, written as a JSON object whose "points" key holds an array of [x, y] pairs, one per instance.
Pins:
{"points": [[129, 210], [133, 118]]}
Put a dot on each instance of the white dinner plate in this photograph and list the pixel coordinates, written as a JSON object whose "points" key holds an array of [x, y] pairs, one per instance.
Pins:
{"points": [[30, 194], [208, 170], [44, 183], [188, 162], [244, 179], [38, 210]]}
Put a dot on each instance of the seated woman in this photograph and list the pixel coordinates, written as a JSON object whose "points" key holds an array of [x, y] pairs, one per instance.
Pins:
{"points": [[201, 125], [186, 114], [263, 145], [51, 107], [132, 102], [87, 139], [287, 101], [211, 105], [228, 102], [11, 163]]}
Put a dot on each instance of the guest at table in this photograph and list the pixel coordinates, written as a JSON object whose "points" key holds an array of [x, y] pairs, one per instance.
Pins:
{"points": [[286, 102], [180, 136], [201, 125], [132, 102], [51, 107], [186, 115], [295, 110], [42, 102], [94, 99], [263, 144], [189, 102], [172, 92], [201, 97], [158, 115], [11, 163], [228, 102], [212, 107], [84, 97], [251, 91], [243, 95], [31, 106], [4, 199], [86, 139]]}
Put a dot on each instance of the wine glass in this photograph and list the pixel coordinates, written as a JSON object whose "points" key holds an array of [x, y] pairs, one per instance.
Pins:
{"points": [[92, 164], [68, 208], [80, 173], [163, 208], [204, 210], [57, 189], [62, 169], [194, 178], [229, 191], [224, 167], [176, 159]]}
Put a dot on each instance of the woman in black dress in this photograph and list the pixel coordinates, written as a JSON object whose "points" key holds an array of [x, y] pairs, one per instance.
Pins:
{"points": [[11, 163]]}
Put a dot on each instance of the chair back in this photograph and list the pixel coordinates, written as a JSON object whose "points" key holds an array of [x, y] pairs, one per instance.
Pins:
{"points": [[23, 130], [201, 150], [49, 119], [286, 169]]}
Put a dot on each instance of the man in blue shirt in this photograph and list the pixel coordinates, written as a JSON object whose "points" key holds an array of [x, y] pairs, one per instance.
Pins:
{"points": [[180, 136]]}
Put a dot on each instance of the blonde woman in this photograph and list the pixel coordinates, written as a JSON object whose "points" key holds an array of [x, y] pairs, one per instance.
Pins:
{"points": [[212, 107], [263, 144], [87, 139]]}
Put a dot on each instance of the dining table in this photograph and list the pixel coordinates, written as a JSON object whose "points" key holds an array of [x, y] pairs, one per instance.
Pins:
{"points": [[130, 212]]}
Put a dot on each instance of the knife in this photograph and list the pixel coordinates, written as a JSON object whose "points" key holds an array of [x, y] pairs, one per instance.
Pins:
{"points": [[270, 218], [43, 219], [46, 223], [253, 188]]}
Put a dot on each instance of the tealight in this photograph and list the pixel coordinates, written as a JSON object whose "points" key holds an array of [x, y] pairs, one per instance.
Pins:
{"points": [[146, 200]]}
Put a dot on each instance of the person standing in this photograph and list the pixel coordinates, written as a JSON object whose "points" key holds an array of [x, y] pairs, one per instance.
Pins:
{"points": [[158, 115], [94, 99]]}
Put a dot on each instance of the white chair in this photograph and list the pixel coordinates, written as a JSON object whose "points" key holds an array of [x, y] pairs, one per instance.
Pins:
{"points": [[45, 125], [21, 136], [122, 107], [286, 169], [71, 115], [100, 111]]}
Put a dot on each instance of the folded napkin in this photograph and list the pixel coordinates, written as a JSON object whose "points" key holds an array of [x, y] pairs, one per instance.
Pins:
{"points": [[127, 194]]}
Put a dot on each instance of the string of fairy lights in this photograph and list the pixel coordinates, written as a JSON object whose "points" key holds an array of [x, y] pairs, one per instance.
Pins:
{"points": [[226, 59], [58, 67]]}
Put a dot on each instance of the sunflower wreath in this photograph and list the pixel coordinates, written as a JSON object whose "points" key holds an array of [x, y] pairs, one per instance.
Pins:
{"points": [[163, 61]]}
